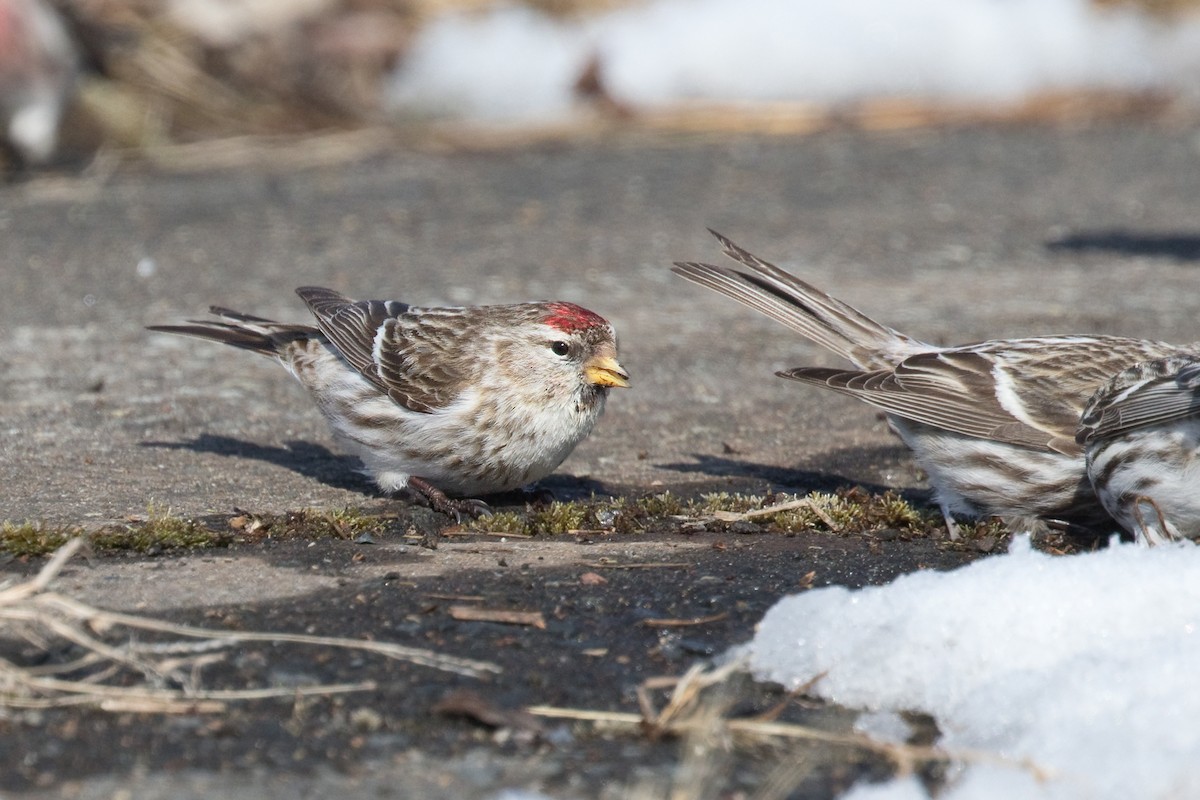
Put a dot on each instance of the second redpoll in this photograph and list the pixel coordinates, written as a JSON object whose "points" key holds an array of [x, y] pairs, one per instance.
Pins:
{"points": [[993, 424]]}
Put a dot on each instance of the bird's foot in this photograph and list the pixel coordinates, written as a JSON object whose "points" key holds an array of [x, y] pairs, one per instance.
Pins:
{"points": [[460, 509], [1153, 532], [537, 496]]}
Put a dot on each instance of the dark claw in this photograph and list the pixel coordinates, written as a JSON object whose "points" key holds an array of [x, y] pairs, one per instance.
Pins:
{"points": [[537, 496], [438, 501], [474, 508]]}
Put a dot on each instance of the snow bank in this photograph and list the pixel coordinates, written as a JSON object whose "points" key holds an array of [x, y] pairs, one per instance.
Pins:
{"points": [[518, 65], [1086, 665]]}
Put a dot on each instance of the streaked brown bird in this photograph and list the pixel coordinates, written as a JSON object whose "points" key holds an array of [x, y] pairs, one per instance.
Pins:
{"points": [[993, 424], [467, 401], [1141, 435]]}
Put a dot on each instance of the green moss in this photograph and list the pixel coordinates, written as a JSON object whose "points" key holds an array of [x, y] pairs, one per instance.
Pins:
{"points": [[312, 523], [33, 538], [733, 503], [157, 533], [894, 511], [661, 505], [549, 520], [561, 518], [509, 522], [849, 511], [846, 512], [991, 529], [161, 530]]}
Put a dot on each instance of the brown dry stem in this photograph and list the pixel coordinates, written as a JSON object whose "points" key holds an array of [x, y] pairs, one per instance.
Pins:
{"points": [[692, 710], [170, 672]]}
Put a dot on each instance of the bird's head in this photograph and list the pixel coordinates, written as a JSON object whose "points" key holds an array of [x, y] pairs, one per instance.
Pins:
{"points": [[563, 348], [586, 343]]}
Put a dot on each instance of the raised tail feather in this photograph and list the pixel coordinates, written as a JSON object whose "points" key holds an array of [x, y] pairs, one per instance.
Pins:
{"points": [[245, 331], [783, 297]]}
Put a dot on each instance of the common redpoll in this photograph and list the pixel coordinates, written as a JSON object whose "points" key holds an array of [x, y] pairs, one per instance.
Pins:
{"points": [[38, 64], [1141, 434], [469, 401], [993, 424]]}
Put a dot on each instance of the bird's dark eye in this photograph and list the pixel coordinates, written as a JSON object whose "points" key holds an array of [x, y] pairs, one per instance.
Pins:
{"points": [[560, 348]]}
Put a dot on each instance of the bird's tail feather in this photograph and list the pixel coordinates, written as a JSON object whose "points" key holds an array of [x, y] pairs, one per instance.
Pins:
{"points": [[245, 331], [825, 320]]}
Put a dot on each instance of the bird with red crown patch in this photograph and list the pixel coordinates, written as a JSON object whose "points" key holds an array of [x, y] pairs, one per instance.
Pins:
{"points": [[460, 401]]}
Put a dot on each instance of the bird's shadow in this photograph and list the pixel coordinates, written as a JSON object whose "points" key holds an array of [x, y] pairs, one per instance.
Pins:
{"points": [[306, 458], [800, 478], [344, 472], [1180, 246]]}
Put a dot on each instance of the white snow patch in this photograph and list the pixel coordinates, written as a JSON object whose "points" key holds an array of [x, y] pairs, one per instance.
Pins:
{"points": [[1085, 665], [907, 789], [883, 726], [515, 64]]}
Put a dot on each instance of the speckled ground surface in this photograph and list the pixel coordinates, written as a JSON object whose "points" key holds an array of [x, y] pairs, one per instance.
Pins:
{"points": [[950, 235]]}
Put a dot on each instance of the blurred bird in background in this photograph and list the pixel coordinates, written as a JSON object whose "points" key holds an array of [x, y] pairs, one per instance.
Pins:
{"points": [[38, 67]]}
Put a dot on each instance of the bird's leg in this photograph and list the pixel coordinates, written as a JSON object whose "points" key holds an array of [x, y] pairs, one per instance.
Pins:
{"points": [[951, 525], [1146, 533], [439, 502]]}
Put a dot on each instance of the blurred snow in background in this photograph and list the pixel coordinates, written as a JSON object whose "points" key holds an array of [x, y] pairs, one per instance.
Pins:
{"points": [[1084, 666], [186, 71], [518, 65]]}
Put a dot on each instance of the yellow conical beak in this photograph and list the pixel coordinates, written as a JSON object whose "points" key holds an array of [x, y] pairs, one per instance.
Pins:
{"points": [[605, 371]]}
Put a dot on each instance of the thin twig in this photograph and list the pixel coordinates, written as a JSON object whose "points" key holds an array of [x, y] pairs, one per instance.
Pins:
{"points": [[46, 617], [783, 730], [673, 622], [639, 565], [416, 655], [46, 574], [790, 505]]}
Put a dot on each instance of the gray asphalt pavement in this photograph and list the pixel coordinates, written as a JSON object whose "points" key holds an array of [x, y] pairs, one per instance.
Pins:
{"points": [[948, 235]]}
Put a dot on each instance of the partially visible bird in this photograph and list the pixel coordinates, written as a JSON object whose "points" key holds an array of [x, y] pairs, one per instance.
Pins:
{"points": [[38, 67], [993, 424], [466, 401], [1141, 434]]}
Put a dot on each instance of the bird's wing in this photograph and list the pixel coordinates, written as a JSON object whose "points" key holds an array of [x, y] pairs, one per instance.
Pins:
{"points": [[960, 401], [1149, 393], [1027, 392], [414, 360]]}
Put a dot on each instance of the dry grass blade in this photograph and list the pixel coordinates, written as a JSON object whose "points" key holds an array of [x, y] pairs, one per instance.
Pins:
{"points": [[416, 655], [670, 622], [278, 152], [14, 594], [169, 672], [84, 691], [638, 565], [504, 616], [791, 505], [689, 712]]}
